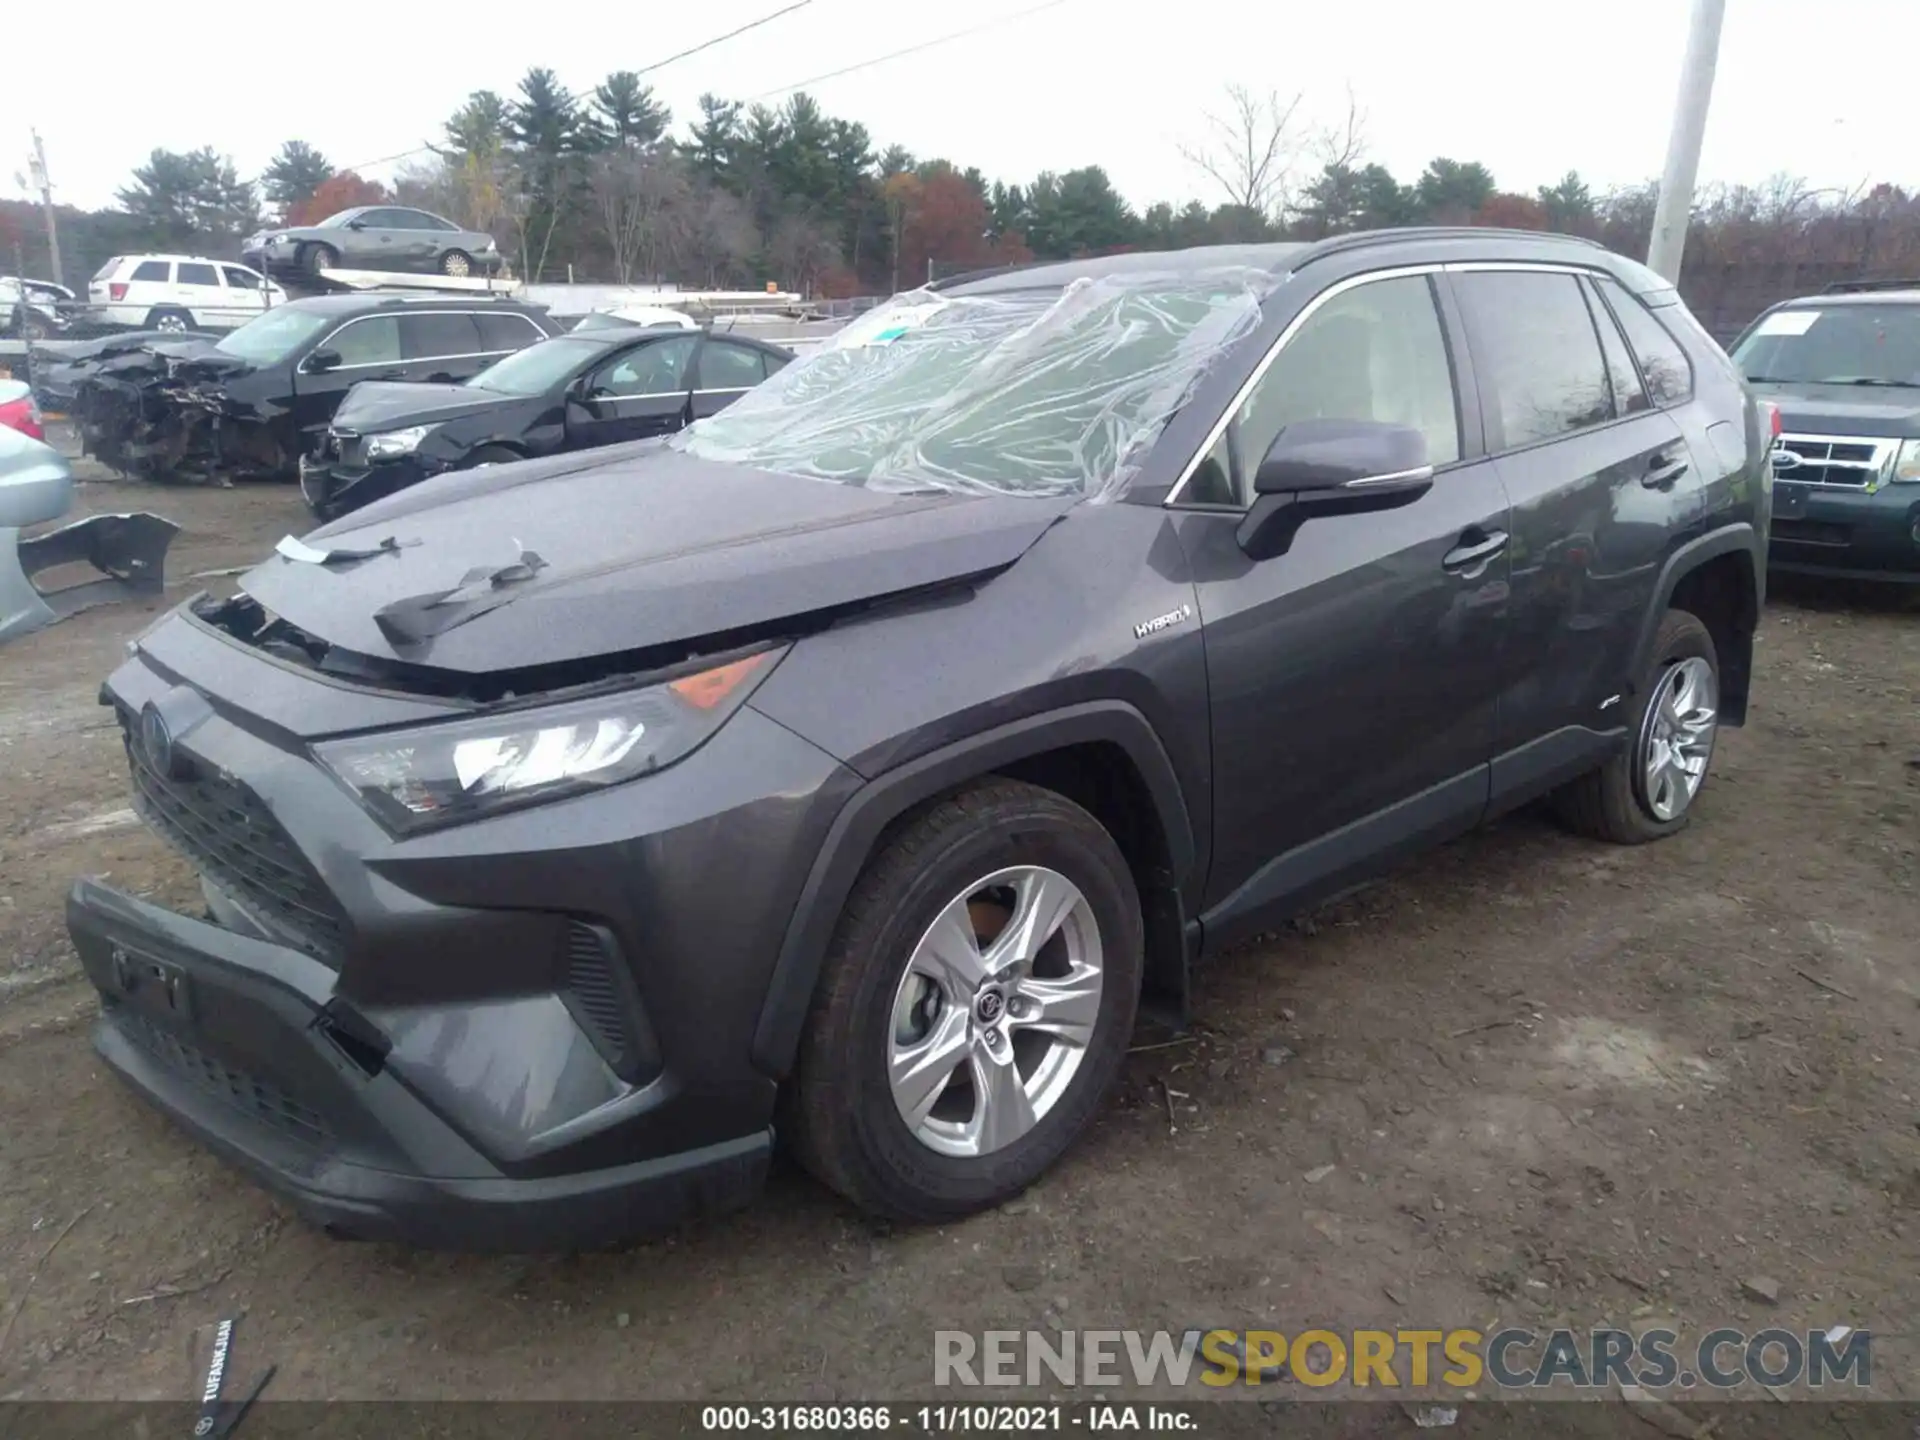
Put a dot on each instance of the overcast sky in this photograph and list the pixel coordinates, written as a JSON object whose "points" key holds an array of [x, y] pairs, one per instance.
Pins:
{"points": [[1531, 88]]}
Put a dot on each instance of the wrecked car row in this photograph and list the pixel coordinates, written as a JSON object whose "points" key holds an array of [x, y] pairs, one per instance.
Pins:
{"points": [[359, 395]]}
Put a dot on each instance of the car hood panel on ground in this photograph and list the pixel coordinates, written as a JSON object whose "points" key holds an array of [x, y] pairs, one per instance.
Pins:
{"points": [[388, 404], [637, 547], [1846, 409]]}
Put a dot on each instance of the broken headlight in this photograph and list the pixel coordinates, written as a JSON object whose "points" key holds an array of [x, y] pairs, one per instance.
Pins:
{"points": [[416, 780], [396, 442]]}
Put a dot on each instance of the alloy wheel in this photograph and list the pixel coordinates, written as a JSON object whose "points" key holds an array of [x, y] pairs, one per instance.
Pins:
{"points": [[995, 1012], [455, 264], [1676, 739]]}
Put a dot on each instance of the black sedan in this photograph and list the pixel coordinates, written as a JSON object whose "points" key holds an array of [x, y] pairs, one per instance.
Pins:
{"points": [[572, 392]]}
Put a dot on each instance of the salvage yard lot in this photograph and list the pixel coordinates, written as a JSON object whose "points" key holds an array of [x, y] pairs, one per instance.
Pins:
{"points": [[1555, 1083]]}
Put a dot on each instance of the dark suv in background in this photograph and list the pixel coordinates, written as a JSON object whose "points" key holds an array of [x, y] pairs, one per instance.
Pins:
{"points": [[856, 762], [1844, 368]]}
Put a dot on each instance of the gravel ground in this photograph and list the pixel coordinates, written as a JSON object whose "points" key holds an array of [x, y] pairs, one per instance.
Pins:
{"points": [[1527, 1080]]}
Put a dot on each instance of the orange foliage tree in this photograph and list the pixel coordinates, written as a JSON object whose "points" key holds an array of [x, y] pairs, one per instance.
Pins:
{"points": [[946, 223], [336, 193]]}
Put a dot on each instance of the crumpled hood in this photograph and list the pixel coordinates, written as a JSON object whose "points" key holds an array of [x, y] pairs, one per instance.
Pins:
{"points": [[1886, 414], [622, 550], [393, 404]]}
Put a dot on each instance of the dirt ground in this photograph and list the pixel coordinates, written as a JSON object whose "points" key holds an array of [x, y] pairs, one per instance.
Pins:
{"points": [[1528, 1080]]}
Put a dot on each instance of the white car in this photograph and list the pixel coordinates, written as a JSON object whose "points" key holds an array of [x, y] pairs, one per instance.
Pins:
{"points": [[178, 293]]}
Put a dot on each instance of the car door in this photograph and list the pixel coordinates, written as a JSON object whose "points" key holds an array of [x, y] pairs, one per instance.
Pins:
{"points": [[1353, 678], [1591, 468], [246, 292], [368, 241], [441, 346], [634, 393], [725, 370], [197, 289], [415, 243], [368, 348]]}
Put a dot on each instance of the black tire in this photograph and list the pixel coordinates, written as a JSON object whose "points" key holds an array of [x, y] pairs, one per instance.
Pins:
{"points": [[1608, 803], [456, 262], [490, 455], [317, 257], [838, 1109], [170, 318]]}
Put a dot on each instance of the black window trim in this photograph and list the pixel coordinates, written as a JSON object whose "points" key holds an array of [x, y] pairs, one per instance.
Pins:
{"points": [[1576, 271], [1453, 342], [397, 314]]}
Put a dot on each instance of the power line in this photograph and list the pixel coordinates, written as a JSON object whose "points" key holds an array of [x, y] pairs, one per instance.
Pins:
{"points": [[910, 50], [643, 70], [721, 39]]}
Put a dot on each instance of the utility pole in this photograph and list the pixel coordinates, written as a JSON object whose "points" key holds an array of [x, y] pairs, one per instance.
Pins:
{"points": [[1675, 207], [37, 166]]}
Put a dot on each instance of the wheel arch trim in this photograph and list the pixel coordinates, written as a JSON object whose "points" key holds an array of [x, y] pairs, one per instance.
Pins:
{"points": [[1737, 538], [884, 798]]}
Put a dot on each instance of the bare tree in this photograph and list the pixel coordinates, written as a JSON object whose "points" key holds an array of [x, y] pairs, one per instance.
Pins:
{"points": [[716, 237], [1343, 144], [1252, 150], [640, 196], [800, 247]]}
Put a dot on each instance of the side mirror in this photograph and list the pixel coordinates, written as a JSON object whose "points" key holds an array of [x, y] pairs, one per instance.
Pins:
{"points": [[356, 224], [1319, 468], [321, 361]]}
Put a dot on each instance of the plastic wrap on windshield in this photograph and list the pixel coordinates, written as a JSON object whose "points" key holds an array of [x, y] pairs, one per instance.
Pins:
{"points": [[1038, 392]]}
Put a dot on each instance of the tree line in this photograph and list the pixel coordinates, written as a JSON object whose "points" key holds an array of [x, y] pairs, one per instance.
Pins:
{"points": [[606, 186]]}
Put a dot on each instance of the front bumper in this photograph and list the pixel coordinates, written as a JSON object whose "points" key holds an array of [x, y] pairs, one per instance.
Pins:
{"points": [[529, 1032], [1845, 533], [234, 1039], [332, 487]]}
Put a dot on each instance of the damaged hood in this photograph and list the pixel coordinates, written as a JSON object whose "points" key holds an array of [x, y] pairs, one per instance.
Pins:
{"points": [[390, 404], [623, 550]]}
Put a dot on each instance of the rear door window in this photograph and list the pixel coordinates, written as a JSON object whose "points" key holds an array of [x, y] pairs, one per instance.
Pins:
{"points": [[191, 274], [1536, 353], [160, 271], [1668, 371], [726, 366], [372, 341], [429, 335], [501, 333]]}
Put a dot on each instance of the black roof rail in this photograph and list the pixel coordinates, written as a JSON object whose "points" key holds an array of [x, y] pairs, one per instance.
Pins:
{"points": [[1862, 287], [1364, 239]]}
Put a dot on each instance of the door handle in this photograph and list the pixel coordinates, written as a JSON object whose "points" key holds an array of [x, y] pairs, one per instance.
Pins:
{"points": [[1664, 470], [1469, 555]]}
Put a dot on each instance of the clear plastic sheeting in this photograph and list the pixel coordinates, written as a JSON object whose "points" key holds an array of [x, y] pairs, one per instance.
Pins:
{"points": [[1024, 392]]}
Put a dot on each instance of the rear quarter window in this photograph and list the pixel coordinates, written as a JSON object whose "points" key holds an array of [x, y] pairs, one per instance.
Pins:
{"points": [[1662, 360], [156, 270]]}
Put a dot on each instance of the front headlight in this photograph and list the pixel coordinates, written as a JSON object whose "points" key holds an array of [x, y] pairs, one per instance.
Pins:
{"points": [[438, 775], [396, 442], [1906, 464]]}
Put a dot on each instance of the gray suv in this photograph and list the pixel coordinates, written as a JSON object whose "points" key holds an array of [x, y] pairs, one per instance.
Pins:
{"points": [[851, 768]]}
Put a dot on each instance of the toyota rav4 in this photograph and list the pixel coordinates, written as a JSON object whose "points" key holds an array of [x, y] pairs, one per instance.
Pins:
{"points": [[852, 767]]}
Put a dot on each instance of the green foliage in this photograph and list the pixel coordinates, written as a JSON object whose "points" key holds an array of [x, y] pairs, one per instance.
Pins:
{"points": [[183, 200], [294, 174]]}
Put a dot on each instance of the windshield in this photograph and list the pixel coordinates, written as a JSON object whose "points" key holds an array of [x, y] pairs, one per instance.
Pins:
{"points": [[337, 219], [1844, 345], [538, 368], [270, 338], [1030, 392]]}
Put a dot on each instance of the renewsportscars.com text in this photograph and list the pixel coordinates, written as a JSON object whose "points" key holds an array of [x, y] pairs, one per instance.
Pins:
{"points": [[1511, 1359]]}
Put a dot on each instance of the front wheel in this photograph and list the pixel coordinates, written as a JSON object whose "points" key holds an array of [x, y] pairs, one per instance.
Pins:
{"points": [[315, 258], [975, 1005], [1647, 791]]}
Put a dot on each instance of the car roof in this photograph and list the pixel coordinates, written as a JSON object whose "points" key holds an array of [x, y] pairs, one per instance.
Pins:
{"points": [[358, 302], [1417, 243], [190, 259]]}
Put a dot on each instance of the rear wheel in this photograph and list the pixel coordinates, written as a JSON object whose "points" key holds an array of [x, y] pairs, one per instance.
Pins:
{"points": [[315, 258], [975, 1005], [170, 320], [1647, 792], [455, 262]]}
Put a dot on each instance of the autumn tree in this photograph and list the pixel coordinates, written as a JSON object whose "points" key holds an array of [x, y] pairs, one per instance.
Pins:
{"points": [[345, 191]]}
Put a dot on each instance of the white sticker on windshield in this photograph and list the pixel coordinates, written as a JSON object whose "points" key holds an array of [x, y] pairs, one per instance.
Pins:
{"points": [[1788, 322]]}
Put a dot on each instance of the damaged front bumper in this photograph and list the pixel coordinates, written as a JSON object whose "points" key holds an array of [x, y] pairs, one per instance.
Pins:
{"points": [[128, 552], [161, 419], [332, 485]]}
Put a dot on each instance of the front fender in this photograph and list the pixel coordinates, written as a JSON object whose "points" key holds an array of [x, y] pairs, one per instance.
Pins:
{"points": [[883, 799]]}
